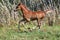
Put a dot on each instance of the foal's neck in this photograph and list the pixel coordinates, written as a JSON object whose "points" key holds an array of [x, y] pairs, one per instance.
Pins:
{"points": [[24, 8]]}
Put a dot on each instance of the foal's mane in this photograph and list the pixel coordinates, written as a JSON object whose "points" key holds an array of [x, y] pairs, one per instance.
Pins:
{"points": [[24, 6]]}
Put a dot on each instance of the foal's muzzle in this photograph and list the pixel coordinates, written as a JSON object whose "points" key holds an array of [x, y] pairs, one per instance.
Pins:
{"points": [[15, 10]]}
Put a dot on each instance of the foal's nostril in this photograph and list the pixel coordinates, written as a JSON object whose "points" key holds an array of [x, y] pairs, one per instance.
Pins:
{"points": [[15, 10]]}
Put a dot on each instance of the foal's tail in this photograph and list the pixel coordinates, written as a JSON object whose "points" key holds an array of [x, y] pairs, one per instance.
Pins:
{"points": [[48, 11]]}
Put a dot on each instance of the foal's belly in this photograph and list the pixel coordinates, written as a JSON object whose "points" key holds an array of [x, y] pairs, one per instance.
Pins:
{"points": [[33, 18]]}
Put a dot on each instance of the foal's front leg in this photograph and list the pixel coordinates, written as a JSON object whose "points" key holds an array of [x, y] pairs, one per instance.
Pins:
{"points": [[20, 22]]}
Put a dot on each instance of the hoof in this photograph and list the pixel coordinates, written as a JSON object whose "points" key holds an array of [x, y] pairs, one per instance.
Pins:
{"points": [[38, 30], [38, 26]]}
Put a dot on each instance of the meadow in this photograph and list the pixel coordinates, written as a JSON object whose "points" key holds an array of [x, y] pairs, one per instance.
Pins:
{"points": [[45, 33]]}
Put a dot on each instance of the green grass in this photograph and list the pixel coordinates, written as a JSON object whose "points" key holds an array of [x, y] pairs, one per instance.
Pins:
{"points": [[45, 33]]}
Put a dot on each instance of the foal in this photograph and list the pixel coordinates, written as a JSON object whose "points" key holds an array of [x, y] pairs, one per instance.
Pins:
{"points": [[28, 15]]}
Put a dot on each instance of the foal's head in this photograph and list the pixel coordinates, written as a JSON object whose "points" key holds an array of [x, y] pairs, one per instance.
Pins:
{"points": [[18, 7]]}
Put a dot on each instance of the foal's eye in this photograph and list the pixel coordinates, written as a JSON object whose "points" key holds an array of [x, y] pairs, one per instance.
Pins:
{"points": [[16, 7]]}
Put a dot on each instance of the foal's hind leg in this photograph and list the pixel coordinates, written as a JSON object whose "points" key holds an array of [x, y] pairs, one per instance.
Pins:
{"points": [[39, 23], [20, 22]]}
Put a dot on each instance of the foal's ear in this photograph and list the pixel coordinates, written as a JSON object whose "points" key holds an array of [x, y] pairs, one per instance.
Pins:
{"points": [[20, 3]]}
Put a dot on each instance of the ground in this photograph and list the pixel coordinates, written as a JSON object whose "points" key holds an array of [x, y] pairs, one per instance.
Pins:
{"points": [[45, 33]]}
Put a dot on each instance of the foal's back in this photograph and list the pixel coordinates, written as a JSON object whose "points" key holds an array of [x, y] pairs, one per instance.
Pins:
{"points": [[37, 14]]}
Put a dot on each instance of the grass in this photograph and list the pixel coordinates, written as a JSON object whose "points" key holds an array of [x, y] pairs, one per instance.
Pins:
{"points": [[45, 33]]}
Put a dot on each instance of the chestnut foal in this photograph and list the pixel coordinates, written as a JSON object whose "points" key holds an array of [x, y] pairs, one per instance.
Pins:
{"points": [[29, 15]]}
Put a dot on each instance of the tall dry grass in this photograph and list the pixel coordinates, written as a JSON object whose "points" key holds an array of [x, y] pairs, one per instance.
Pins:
{"points": [[9, 17]]}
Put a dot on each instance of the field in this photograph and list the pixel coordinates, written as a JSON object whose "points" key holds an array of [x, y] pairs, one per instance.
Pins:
{"points": [[45, 33], [9, 20]]}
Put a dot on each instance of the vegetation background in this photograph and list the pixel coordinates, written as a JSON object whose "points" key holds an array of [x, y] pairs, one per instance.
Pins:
{"points": [[9, 20]]}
